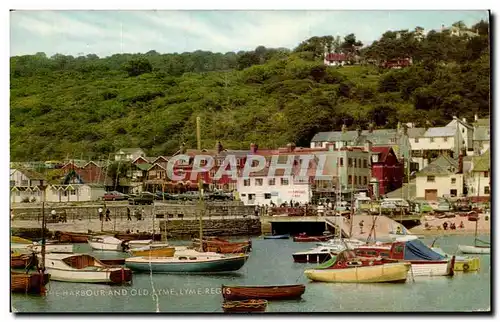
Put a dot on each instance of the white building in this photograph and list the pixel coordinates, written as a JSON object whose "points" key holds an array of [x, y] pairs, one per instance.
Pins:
{"points": [[479, 178], [74, 193], [481, 137], [441, 178], [25, 185], [129, 154], [259, 189]]}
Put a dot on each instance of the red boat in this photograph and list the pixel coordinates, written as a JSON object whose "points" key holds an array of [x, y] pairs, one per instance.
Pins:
{"points": [[273, 292], [302, 237], [424, 261], [67, 237]]}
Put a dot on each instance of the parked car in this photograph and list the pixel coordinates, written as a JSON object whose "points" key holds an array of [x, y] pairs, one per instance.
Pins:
{"points": [[217, 195], [443, 206], [142, 199], [190, 195], [166, 196], [423, 206], [114, 195]]}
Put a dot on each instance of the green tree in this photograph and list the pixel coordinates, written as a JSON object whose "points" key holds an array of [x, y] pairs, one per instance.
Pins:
{"points": [[139, 66]]}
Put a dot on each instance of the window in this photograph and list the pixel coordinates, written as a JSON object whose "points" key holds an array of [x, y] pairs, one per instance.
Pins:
{"points": [[354, 163], [416, 140], [445, 139], [487, 190], [453, 180], [284, 181], [431, 178], [203, 162], [350, 179], [393, 140], [254, 163], [365, 163], [453, 192], [341, 162], [272, 182], [431, 140], [18, 193], [486, 174], [267, 196], [258, 182], [463, 130], [246, 182], [73, 192], [243, 194], [349, 162], [24, 182], [365, 181], [355, 180]]}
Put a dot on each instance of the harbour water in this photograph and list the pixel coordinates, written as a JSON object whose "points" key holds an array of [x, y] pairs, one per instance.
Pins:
{"points": [[270, 263]]}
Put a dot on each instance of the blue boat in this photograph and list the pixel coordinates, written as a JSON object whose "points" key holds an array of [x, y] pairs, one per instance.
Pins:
{"points": [[187, 264], [286, 236]]}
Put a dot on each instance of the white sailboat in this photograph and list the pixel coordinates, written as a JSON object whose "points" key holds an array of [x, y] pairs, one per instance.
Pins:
{"points": [[110, 243], [83, 268], [481, 248]]}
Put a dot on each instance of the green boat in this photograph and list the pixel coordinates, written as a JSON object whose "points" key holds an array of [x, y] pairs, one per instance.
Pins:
{"points": [[187, 264]]}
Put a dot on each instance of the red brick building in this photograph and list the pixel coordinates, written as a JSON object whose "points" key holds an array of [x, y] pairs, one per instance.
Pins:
{"points": [[386, 169]]}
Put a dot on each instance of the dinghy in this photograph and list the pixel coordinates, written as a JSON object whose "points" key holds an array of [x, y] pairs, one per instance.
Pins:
{"points": [[482, 248], [268, 292], [349, 268], [109, 243], [82, 268]]}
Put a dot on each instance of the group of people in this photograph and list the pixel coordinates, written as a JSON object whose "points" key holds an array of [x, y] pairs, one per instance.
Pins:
{"points": [[138, 214], [452, 225]]}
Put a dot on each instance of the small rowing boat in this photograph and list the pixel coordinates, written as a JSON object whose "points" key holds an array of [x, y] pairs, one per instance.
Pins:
{"points": [[245, 306], [303, 238], [31, 283], [285, 236], [271, 292]]}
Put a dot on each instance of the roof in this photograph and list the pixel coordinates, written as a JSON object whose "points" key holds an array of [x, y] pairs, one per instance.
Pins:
{"points": [[481, 163], [32, 175], [481, 133], [443, 165], [457, 120], [445, 131], [143, 166], [78, 163], [384, 151], [129, 150], [482, 122], [416, 132], [377, 137], [336, 57]]}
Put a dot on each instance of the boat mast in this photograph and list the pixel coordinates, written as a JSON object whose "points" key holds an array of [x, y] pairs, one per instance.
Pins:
{"points": [[352, 201], [475, 233], [43, 229], [200, 184]]}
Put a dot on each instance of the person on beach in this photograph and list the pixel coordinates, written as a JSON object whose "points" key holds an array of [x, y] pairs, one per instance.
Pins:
{"points": [[107, 215], [461, 225], [128, 214], [445, 225], [101, 217]]}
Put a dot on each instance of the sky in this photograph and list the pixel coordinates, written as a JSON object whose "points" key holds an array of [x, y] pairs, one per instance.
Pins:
{"points": [[109, 32]]}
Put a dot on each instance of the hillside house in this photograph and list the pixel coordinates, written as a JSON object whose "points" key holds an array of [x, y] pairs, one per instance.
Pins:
{"points": [[129, 154], [334, 59], [481, 136], [441, 178], [74, 192]]}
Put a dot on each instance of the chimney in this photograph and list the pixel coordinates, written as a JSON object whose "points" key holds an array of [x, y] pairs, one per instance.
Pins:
{"points": [[461, 162], [344, 128], [399, 127], [442, 27], [405, 129], [368, 146], [182, 149], [253, 148], [476, 117], [290, 147], [371, 127], [464, 120]]}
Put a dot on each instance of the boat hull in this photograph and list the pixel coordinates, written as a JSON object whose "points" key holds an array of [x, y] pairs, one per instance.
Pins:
{"points": [[432, 268], [395, 273], [277, 237], [466, 249], [244, 306], [71, 237], [311, 258], [53, 248], [106, 247], [280, 292], [309, 239], [33, 283], [185, 266]]}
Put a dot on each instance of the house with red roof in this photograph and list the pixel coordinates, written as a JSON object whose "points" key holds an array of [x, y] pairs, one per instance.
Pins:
{"points": [[334, 59], [387, 170]]}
